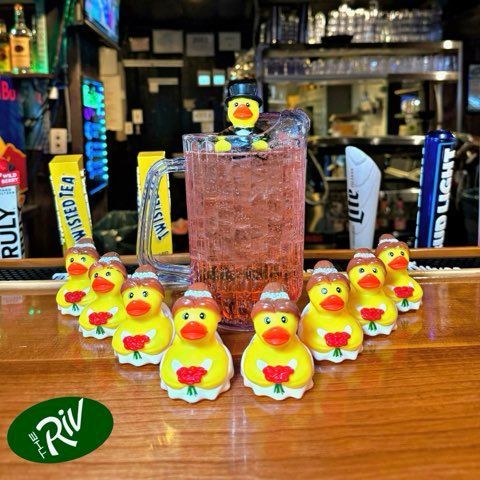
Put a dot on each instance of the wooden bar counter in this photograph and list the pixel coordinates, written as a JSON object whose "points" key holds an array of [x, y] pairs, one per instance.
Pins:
{"points": [[409, 407]]}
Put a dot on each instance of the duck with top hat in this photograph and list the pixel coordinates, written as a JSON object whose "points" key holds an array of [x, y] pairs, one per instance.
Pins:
{"points": [[399, 286], [243, 109], [276, 363], [102, 317], [326, 326], [76, 293], [148, 329], [197, 366], [368, 302]]}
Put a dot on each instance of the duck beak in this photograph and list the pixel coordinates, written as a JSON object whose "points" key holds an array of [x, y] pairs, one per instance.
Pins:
{"points": [[398, 263], [102, 285], [332, 303], [242, 112], [276, 336], [369, 281], [193, 331], [76, 269], [137, 308]]}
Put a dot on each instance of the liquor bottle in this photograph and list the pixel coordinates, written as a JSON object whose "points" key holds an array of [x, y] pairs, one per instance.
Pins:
{"points": [[20, 38], [34, 46], [400, 219], [5, 65]]}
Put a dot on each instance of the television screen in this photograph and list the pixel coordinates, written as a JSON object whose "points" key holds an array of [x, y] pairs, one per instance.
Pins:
{"points": [[473, 102], [103, 14], [94, 134]]}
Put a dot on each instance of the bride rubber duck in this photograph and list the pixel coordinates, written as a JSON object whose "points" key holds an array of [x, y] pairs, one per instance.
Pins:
{"points": [[399, 286], [368, 302], [101, 318], [197, 365], [148, 329], [76, 293], [276, 363], [327, 328]]}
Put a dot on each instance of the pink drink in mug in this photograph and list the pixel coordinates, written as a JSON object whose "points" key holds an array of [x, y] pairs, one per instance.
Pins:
{"points": [[246, 213]]}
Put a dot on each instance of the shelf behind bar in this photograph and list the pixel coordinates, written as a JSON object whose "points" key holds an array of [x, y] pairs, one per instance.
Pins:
{"points": [[183, 258], [356, 49], [393, 140], [349, 78]]}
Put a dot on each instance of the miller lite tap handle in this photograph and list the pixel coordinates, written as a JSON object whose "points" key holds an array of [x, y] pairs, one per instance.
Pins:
{"points": [[363, 186]]}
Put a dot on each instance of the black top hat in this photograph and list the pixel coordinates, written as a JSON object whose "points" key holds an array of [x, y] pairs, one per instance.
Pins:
{"points": [[246, 87]]}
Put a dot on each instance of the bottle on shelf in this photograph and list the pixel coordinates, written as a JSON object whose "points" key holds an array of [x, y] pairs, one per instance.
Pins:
{"points": [[34, 46], [5, 65], [400, 219], [20, 39]]}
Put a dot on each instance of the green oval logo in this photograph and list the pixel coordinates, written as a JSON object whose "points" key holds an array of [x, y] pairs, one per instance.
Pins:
{"points": [[60, 429]]}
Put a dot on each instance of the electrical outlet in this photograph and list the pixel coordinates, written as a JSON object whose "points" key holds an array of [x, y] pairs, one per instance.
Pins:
{"points": [[58, 141]]}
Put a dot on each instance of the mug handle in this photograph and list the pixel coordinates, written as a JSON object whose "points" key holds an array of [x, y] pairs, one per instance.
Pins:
{"points": [[169, 274]]}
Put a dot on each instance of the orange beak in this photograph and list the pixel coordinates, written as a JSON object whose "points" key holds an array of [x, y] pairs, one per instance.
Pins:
{"points": [[102, 285], [276, 336], [332, 303], [193, 331], [369, 281], [136, 308], [76, 269], [398, 263], [242, 112]]}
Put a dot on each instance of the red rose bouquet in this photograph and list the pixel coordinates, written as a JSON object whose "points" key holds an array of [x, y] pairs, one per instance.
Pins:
{"points": [[404, 293], [371, 314], [337, 340], [135, 343], [278, 375], [189, 376], [74, 298], [99, 319]]}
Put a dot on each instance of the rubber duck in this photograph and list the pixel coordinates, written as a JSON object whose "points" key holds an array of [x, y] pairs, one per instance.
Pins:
{"points": [[148, 329], [76, 293], [399, 286], [276, 363], [101, 318], [197, 365], [368, 302], [327, 328], [243, 109]]}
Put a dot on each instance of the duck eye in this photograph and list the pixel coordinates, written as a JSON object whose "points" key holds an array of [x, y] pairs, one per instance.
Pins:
{"points": [[95, 275], [145, 293], [361, 270], [107, 274], [130, 295], [284, 319], [324, 290], [71, 260], [247, 104], [339, 290], [390, 254], [374, 270], [83, 259], [267, 320], [185, 316], [235, 104], [202, 316], [402, 253]]}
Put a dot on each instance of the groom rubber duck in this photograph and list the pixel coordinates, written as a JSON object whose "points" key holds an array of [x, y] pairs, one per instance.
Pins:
{"points": [[243, 109]]}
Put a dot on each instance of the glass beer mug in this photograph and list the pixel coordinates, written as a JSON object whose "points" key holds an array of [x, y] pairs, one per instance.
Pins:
{"points": [[246, 214]]}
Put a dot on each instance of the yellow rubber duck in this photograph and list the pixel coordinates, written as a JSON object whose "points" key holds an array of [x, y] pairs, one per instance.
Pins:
{"points": [[197, 365], [276, 363], [368, 303], [326, 327], [148, 329], [101, 318], [76, 293], [243, 109], [399, 286]]}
